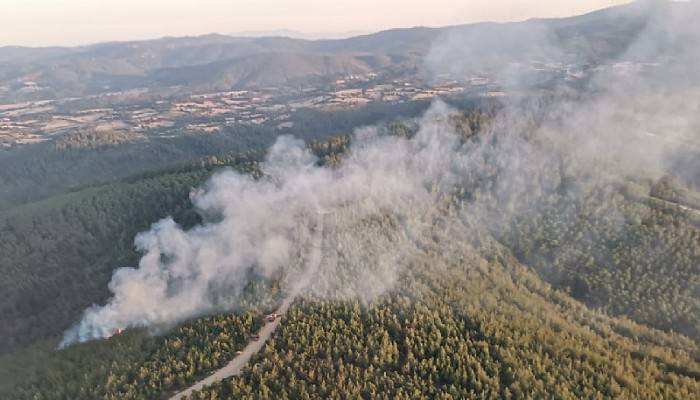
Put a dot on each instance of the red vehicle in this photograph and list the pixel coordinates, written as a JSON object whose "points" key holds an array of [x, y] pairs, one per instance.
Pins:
{"points": [[255, 338]]}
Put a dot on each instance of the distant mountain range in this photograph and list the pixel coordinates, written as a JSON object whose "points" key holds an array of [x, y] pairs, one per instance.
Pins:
{"points": [[220, 61], [288, 33]]}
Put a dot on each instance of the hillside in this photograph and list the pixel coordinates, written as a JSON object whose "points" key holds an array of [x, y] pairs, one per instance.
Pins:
{"points": [[262, 70], [464, 322], [483, 329], [232, 62], [468, 291]]}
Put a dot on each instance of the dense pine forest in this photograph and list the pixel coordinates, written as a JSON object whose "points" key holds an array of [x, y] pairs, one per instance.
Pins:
{"points": [[578, 298]]}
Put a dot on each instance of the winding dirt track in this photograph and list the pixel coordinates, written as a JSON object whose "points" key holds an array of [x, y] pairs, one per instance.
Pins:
{"points": [[235, 367]]}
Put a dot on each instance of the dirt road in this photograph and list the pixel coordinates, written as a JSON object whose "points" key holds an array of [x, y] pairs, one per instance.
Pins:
{"points": [[235, 367]]}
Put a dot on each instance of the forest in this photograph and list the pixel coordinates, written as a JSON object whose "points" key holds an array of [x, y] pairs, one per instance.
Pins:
{"points": [[562, 302]]}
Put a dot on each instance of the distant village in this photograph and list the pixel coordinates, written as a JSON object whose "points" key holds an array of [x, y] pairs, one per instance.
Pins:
{"points": [[205, 113]]}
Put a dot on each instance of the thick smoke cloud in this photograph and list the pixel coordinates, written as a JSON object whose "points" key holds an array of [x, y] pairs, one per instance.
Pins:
{"points": [[267, 227], [352, 230]]}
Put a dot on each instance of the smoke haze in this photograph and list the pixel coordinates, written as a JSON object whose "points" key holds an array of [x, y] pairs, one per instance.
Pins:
{"points": [[366, 216]]}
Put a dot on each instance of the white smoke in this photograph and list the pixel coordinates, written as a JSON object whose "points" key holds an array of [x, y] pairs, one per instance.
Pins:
{"points": [[265, 227], [353, 229]]}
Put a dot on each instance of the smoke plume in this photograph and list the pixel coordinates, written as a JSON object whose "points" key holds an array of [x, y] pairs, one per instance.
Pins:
{"points": [[353, 229], [267, 227]]}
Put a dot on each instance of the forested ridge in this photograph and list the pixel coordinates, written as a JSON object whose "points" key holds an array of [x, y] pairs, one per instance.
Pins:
{"points": [[474, 332], [646, 268], [478, 325]]}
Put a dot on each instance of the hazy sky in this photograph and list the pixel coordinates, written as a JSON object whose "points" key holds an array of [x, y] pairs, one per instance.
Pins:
{"points": [[70, 22]]}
